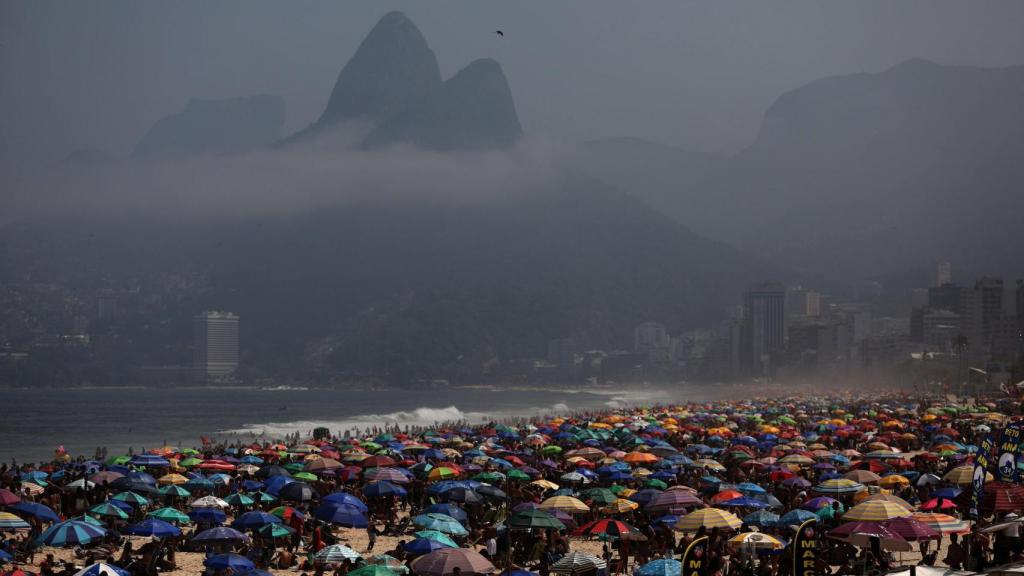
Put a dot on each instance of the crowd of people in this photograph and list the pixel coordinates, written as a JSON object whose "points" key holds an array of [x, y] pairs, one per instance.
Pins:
{"points": [[885, 481]]}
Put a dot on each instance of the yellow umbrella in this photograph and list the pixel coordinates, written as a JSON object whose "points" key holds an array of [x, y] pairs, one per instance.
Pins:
{"points": [[886, 497], [565, 504], [708, 518], [963, 475], [545, 484], [172, 479], [875, 511], [894, 481], [620, 506], [755, 541]]}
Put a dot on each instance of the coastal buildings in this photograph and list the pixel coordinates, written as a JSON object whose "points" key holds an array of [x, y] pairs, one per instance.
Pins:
{"points": [[216, 345], [764, 308]]}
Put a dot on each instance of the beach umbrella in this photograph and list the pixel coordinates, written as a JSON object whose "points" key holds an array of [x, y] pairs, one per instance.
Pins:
{"points": [[271, 470], [447, 508], [200, 483], [7, 498], [528, 519], [421, 546], [376, 570], [439, 536], [443, 562], [170, 515], [708, 518], [492, 492], [287, 512], [83, 484], [673, 500], [862, 476], [962, 475], [336, 554], [443, 473], [755, 541], [237, 564], [389, 474], [347, 499], [149, 460], [254, 519], [153, 527], [938, 504], [109, 510], [209, 502], [607, 527], [176, 491], [942, 523], [912, 530], [70, 533], [208, 515], [839, 486], [275, 531], [576, 563], [383, 488], [172, 479], [220, 535], [660, 567], [762, 518], [620, 506], [239, 499], [744, 502], [9, 521], [441, 523], [796, 517], [566, 503], [598, 496], [103, 569], [35, 509], [131, 498], [341, 515], [875, 511]]}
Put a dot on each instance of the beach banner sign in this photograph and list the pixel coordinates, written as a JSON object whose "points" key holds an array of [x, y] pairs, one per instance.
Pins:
{"points": [[805, 549], [1009, 443], [981, 465], [695, 557]]}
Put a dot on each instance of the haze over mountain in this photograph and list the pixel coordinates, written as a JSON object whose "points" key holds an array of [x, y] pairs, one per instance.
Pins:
{"points": [[855, 175], [205, 126]]}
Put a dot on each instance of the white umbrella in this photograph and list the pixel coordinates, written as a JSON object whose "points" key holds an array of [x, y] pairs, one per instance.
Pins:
{"points": [[82, 483], [209, 502], [578, 563]]}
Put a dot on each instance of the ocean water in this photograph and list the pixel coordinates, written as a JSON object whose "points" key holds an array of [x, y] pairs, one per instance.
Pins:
{"points": [[34, 422]]}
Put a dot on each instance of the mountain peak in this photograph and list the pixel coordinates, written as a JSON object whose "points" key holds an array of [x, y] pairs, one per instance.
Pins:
{"points": [[392, 69], [472, 110]]}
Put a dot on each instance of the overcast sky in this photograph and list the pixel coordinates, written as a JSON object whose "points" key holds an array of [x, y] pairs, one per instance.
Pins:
{"points": [[97, 74]]}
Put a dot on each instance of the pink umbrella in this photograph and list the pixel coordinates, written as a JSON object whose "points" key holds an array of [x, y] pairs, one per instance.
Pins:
{"points": [[105, 476], [389, 474], [673, 501], [912, 529], [7, 498], [443, 562], [869, 528], [938, 503]]}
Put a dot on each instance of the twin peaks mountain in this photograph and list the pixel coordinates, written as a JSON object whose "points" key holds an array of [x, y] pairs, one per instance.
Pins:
{"points": [[393, 82]]}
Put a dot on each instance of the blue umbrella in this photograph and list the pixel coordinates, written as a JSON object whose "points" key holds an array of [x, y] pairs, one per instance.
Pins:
{"points": [[148, 460], [449, 509], [796, 517], [949, 492], [35, 509], [749, 488], [421, 546], [441, 523], [661, 567], [745, 502], [383, 488], [219, 535], [153, 527], [5, 557], [341, 514], [255, 519], [72, 532], [140, 476], [761, 518], [275, 483], [237, 564], [208, 515], [297, 491], [346, 498], [103, 569]]}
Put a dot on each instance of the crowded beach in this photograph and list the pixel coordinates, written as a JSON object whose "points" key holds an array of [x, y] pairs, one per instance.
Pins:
{"points": [[799, 485]]}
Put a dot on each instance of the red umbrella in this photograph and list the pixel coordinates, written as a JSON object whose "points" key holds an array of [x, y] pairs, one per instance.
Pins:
{"points": [[19, 572], [911, 529], [997, 497], [8, 498], [673, 500], [376, 461], [443, 562], [869, 528], [938, 503], [605, 526]]}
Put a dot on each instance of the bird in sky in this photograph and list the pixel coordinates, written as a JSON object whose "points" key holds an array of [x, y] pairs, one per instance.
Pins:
{"points": [[499, 33]]}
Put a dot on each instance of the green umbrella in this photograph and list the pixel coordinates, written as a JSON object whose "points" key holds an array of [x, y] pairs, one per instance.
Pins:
{"points": [[305, 476], [87, 519], [239, 499], [490, 477], [109, 510], [118, 460], [175, 490], [518, 475], [535, 519], [655, 483], [551, 449], [617, 489], [275, 531], [131, 498], [371, 446], [189, 452], [190, 462], [169, 514], [599, 495], [294, 467], [374, 570], [437, 537], [263, 497]]}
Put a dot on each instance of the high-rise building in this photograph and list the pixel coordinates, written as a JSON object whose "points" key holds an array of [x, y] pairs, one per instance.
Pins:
{"points": [[813, 304], [216, 345], [652, 339], [988, 304], [764, 312], [943, 274]]}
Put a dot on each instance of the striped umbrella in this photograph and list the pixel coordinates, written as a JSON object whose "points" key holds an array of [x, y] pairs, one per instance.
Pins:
{"points": [[575, 563], [620, 506], [109, 510], [839, 486], [605, 526], [131, 498], [387, 474], [170, 515], [70, 533], [337, 553], [103, 569], [875, 511], [942, 523], [175, 490], [443, 562], [9, 521], [566, 503], [751, 541], [708, 518]]}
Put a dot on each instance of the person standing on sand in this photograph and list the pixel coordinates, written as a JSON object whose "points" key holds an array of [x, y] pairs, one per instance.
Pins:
{"points": [[371, 535]]}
